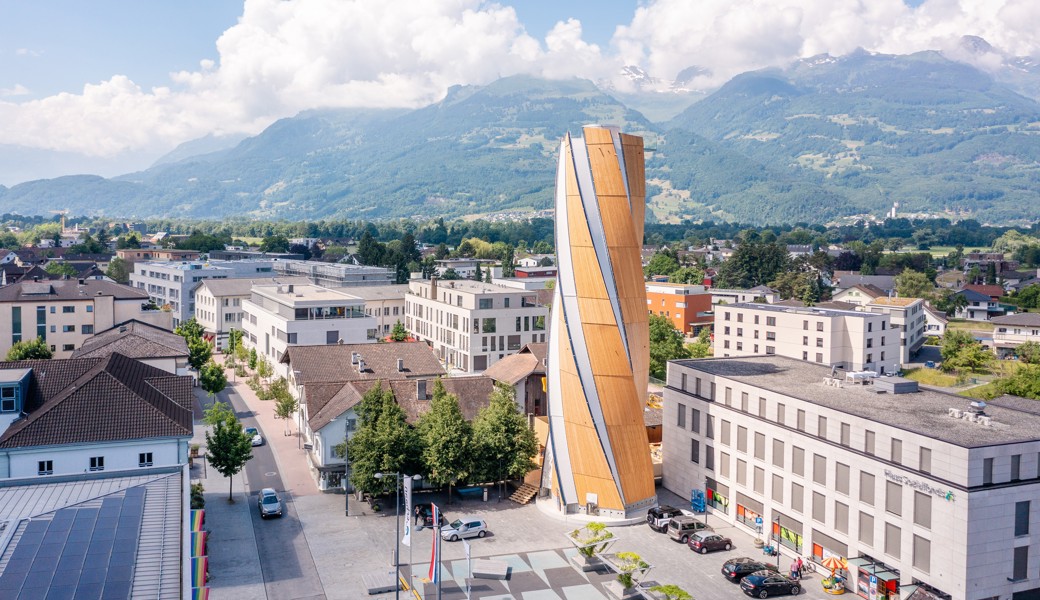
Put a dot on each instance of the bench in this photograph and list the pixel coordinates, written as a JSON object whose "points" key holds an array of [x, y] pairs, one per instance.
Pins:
{"points": [[380, 583], [472, 492], [490, 569]]}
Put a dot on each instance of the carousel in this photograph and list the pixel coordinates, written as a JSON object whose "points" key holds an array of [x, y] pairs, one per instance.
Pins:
{"points": [[835, 583]]}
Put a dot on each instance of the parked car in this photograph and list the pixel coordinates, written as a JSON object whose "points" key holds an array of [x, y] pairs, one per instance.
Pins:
{"points": [[768, 583], [681, 528], [657, 518], [709, 541], [426, 513], [465, 527], [257, 439], [269, 503], [736, 568]]}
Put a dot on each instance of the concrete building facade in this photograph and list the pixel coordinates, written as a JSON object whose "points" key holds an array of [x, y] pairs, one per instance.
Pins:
{"points": [[908, 316], [688, 307], [218, 304], [171, 285]]}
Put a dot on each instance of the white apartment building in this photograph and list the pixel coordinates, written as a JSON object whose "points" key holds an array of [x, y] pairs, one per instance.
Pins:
{"points": [[470, 324], [334, 275], [278, 316], [908, 316], [848, 339], [917, 487], [172, 284], [384, 303], [735, 296], [466, 268], [1011, 331], [218, 304]]}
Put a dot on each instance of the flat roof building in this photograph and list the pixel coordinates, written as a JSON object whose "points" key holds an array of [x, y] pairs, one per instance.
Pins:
{"points": [[334, 274]]}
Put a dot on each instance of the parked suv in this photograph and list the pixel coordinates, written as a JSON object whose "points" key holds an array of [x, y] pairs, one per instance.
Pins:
{"points": [[464, 527], [681, 528], [736, 569], [269, 503], [708, 541], [657, 518]]}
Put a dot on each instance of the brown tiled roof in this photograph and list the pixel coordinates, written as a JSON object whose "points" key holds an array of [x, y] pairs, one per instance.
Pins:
{"points": [[1020, 319], [117, 398], [50, 376], [993, 291], [134, 339], [346, 397], [331, 363], [473, 395], [68, 289], [516, 367]]}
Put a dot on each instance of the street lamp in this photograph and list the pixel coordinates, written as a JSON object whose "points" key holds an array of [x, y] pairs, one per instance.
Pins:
{"points": [[397, 527]]}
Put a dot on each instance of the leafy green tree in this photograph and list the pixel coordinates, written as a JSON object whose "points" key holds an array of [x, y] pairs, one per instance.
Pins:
{"points": [[228, 448], [252, 358], [9, 241], [199, 353], [692, 275], [973, 357], [913, 284], [118, 270], [190, 329], [130, 240], [29, 350], [234, 341], [508, 268], [1024, 382], [753, 263], [504, 444], [274, 243], [264, 368], [447, 440], [792, 284], [398, 333], [1028, 297], [450, 274], [370, 251], [1029, 352], [663, 262], [212, 377], [285, 407], [63, 269], [952, 343], [478, 274], [702, 347], [666, 343], [217, 412], [382, 443]]}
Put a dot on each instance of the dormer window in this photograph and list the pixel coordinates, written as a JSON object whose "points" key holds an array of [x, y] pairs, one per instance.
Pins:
{"points": [[8, 399]]}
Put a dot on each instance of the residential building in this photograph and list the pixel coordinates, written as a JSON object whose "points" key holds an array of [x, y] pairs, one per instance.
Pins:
{"points": [[535, 272], [979, 307], [995, 292], [1011, 331], [848, 339], [384, 303], [91, 414], [278, 316], [151, 345], [171, 285], [465, 268], [859, 294], [735, 296], [472, 324], [935, 321], [687, 306], [907, 315], [334, 275], [134, 255], [218, 304], [240, 254], [65, 313], [535, 260], [919, 486], [983, 260], [846, 279], [525, 371]]}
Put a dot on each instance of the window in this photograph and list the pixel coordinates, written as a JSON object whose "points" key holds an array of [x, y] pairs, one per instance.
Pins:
{"points": [[780, 409], [819, 357], [488, 325], [740, 317], [819, 342], [725, 432], [741, 438], [1016, 467], [292, 337], [68, 329], [695, 420], [841, 478], [505, 300], [697, 386], [801, 420], [846, 435], [841, 517], [1020, 563], [760, 446], [893, 498], [68, 347], [923, 510], [1022, 518], [741, 472], [892, 534], [866, 488], [897, 451], [868, 442], [45, 467], [484, 303], [805, 325], [681, 421], [68, 309], [778, 453], [760, 480], [819, 326], [819, 474], [866, 528], [86, 329], [797, 497], [797, 461], [771, 321], [709, 431], [695, 451], [987, 471], [90, 308], [744, 401], [924, 460], [7, 399], [97, 463], [762, 407], [821, 427], [723, 464], [682, 382], [331, 337], [819, 507], [144, 459], [729, 396]]}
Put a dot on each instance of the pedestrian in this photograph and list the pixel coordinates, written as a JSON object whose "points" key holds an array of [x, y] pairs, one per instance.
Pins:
{"points": [[796, 568], [418, 515]]}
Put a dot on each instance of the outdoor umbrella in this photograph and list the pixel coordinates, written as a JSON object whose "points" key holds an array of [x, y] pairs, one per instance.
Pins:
{"points": [[833, 563]]}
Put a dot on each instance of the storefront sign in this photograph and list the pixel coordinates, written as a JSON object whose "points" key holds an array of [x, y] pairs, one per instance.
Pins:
{"points": [[922, 486]]}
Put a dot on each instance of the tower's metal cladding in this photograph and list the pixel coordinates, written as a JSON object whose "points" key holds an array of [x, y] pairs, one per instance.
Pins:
{"points": [[599, 339]]}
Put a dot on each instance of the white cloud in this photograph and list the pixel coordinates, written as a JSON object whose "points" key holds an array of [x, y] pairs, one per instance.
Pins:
{"points": [[283, 57], [27, 52], [17, 90]]}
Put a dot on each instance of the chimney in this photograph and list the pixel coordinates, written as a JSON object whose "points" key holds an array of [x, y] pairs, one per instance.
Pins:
{"points": [[400, 365], [361, 365], [420, 389]]}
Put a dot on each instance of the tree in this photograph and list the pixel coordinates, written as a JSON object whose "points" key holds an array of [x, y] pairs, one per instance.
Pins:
{"points": [[301, 249], [478, 274], [504, 444], [63, 269], [447, 439], [753, 263], [211, 377], [234, 341], [1024, 382], [118, 270], [285, 408], [190, 329], [130, 240], [228, 448], [398, 333], [991, 274], [264, 368], [252, 358], [973, 357], [1029, 352], [662, 263], [217, 412], [672, 592], [953, 341], [702, 347], [450, 274], [666, 343], [36, 349], [274, 243], [370, 251], [199, 353], [382, 443], [508, 268], [913, 284], [687, 275]]}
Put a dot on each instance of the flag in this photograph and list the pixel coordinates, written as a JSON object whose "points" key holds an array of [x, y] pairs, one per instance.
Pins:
{"points": [[200, 593], [409, 518], [199, 566], [198, 543], [435, 555], [197, 518]]}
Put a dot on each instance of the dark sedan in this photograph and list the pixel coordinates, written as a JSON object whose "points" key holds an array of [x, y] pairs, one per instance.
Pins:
{"points": [[764, 584], [736, 568]]}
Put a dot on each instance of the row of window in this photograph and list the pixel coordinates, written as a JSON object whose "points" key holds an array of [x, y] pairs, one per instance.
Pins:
{"points": [[97, 463]]}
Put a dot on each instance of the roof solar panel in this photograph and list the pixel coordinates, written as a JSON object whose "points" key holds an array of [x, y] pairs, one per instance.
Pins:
{"points": [[116, 590], [123, 573], [79, 535], [92, 575], [44, 563], [122, 559], [61, 592], [86, 514], [63, 514], [89, 592], [23, 555], [60, 525], [76, 548], [36, 579], [106, 523], [36, 525], [10, 581], [95, 562], [49, 550], [136, 492]]}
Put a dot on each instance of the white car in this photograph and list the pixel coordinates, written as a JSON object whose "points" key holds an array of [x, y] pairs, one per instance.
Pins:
{"points": [[257, 439], [465, 527]]}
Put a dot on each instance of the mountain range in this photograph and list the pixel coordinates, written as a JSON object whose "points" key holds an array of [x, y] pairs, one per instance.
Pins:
{"points": [[823, 138]]}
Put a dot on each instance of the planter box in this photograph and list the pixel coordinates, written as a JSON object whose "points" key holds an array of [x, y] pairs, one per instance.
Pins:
{"points": [[614, 590], [587, 563]]}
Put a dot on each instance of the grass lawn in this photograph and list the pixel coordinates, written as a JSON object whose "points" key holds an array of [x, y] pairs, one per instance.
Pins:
{"points": [[967, 325], [941, 251], [986, 391], [931, 377]]}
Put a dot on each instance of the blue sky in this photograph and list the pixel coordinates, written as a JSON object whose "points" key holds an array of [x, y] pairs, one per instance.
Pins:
{"points": [[128, 80]]}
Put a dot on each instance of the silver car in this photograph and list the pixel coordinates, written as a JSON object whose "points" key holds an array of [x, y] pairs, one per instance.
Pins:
{"points": [[254, 436], [269, 503], [465, 527]]}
